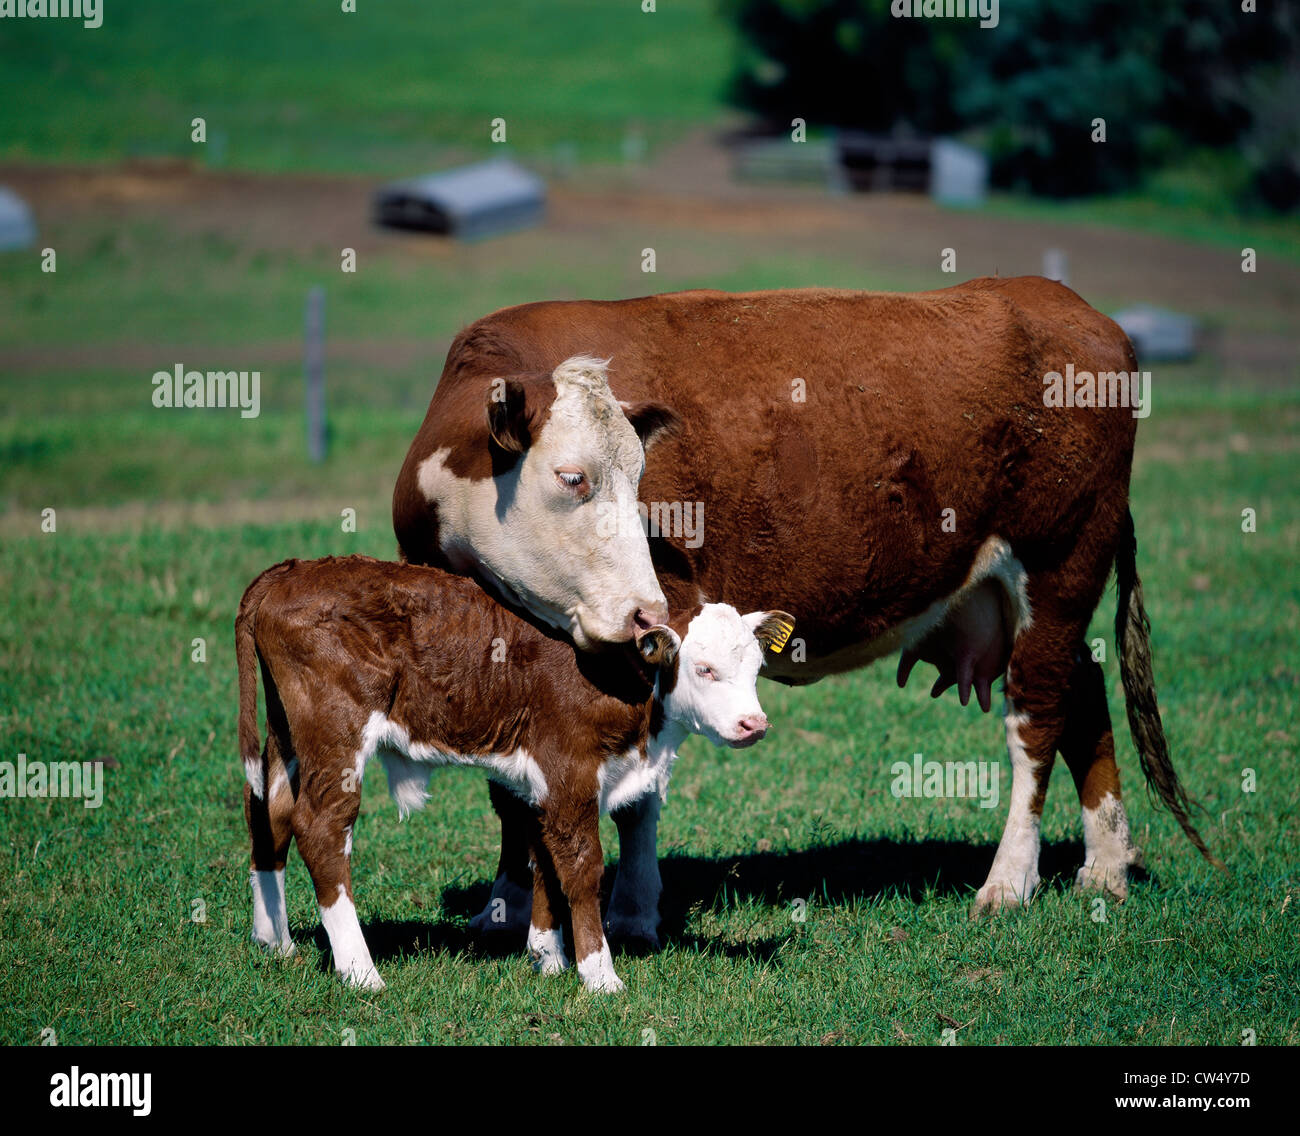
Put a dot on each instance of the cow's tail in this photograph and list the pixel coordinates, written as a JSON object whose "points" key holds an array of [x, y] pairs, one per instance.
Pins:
{"points": [[250, 739], [1133, 640]]}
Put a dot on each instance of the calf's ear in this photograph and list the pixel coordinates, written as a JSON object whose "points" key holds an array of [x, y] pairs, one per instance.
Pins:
{"points": [[771, 628], [507, 415], [658, 646], [651, 421]]}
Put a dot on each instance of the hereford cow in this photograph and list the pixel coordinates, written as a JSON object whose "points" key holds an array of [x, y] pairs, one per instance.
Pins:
{"points": [[901, 471], [362, 658]]}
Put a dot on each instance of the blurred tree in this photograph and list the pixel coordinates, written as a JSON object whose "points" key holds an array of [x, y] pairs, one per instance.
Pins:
{"points": [[1169, 77]]}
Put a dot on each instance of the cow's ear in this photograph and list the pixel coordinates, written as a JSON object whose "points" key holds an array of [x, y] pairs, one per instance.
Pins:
{"points": [[659, 646], [650, 420], [771, 628], [507, 415]]}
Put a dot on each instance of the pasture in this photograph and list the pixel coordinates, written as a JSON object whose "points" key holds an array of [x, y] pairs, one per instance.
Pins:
{"points": [[804, 903], [163, 516]]}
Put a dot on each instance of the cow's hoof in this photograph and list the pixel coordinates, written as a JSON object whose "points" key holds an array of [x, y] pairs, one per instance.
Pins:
{"points": [[281, 948], [633, 936], [509, 911], [1111, 881], [997, 897], [367, 980]]}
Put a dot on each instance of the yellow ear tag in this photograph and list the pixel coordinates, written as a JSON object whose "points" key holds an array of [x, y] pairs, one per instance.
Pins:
{"points": [[780, 636]]}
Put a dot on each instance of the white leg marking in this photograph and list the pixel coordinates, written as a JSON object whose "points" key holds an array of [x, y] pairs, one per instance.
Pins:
{"points": [[546, 949], [1014, 874], [634, 903], [509, 909], [270, 919], [254, 776], [1108, 848], [351, 955], [597, 971]]}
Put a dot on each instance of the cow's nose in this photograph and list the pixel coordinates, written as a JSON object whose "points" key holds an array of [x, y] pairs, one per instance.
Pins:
{"points": [[754, 724], [644, 618]]}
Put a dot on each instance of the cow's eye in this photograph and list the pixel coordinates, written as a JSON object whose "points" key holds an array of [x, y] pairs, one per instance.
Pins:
{"points": [[705, 671], [573, 479]]}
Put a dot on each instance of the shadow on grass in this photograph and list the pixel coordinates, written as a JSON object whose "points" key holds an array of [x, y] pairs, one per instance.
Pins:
{"points": [[835, 874]]}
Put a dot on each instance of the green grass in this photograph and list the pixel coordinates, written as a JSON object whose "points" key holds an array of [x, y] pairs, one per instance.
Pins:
{"points": [[396, 87], [1148, 211]]}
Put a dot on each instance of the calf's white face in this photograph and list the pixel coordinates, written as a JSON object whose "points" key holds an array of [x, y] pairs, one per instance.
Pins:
{"points": [[713, 691], [557, 531]]}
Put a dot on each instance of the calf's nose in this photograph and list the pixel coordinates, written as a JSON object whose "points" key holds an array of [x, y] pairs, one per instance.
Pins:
{"points": [[754, 724]]}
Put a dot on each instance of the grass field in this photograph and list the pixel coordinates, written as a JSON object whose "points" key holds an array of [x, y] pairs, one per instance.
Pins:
{"points": [[164, 516], [395, 87]]}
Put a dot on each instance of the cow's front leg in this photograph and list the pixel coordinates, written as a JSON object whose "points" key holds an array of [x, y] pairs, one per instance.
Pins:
{"points": [[633, 915], [510, 905]]}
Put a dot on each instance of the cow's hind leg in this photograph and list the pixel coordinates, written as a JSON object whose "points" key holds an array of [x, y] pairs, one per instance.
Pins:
{"points": [[1088, 747], [1037, 698], [323, 821], [269, 815]]}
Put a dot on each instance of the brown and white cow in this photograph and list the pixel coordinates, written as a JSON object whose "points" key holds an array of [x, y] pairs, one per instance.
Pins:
{"points": [[888, 466], [361, 658]]}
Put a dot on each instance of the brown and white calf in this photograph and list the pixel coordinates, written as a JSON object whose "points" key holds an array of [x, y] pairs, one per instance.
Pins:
{"points": [[362, 658]]}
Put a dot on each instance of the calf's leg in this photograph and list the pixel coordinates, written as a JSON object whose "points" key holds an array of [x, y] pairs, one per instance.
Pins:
{"points": [[270, 829], [571, 833], [545, 934], [322, 824]]}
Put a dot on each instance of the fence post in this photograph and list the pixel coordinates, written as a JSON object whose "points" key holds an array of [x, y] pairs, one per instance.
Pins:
{"points": [[314, 366]]}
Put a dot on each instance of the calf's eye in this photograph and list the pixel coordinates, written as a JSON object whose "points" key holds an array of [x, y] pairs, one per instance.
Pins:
{"points": [[573, 479], [704, 671]]}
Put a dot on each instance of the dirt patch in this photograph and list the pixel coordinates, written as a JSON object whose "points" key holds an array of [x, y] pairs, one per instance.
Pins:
{"points": [[688, 192]]}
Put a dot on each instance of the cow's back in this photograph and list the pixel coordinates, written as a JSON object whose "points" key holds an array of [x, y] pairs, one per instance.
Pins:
{"points": [[826, 432]]}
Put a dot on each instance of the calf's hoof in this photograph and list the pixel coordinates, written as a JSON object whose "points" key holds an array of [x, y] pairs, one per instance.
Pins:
{"points": [[546, 949], [597, 972]]}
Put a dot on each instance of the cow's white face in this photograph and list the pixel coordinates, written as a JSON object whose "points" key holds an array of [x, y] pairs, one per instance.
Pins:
{"points": [[555, 529], [708, 678]]}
